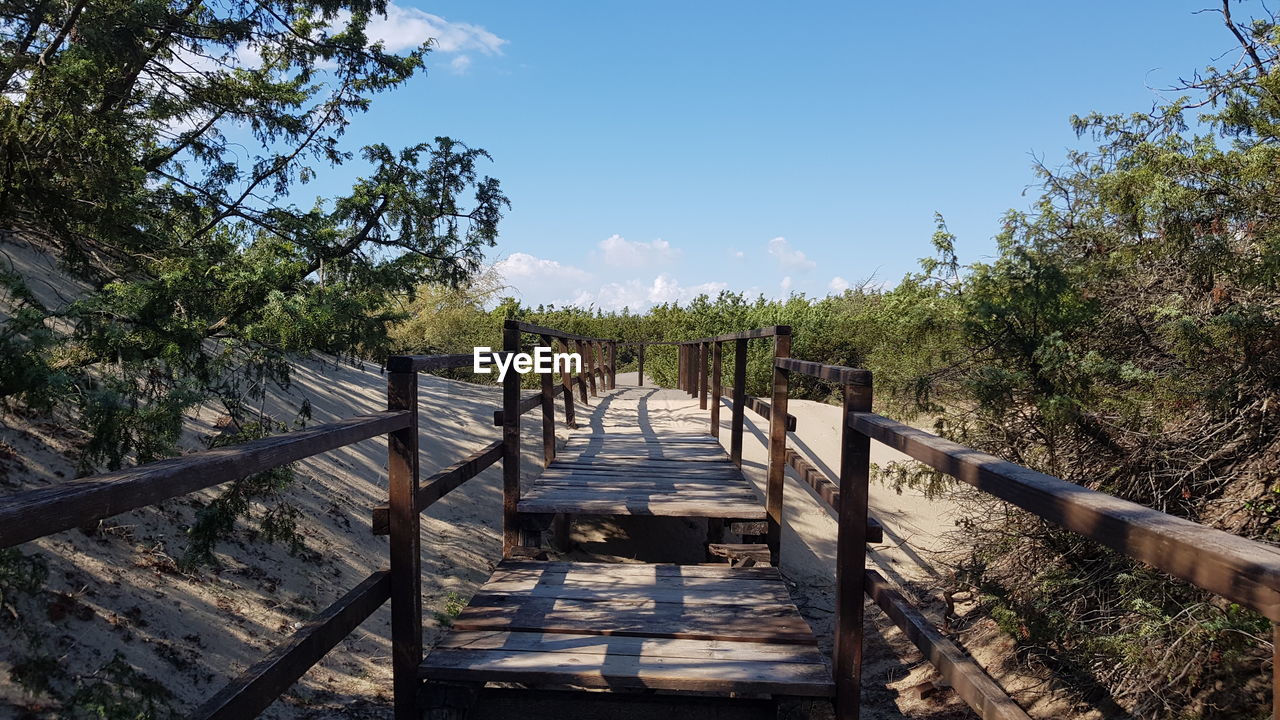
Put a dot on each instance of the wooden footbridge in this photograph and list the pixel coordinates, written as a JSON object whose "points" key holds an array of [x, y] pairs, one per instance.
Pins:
{"points": [[684, 632]]}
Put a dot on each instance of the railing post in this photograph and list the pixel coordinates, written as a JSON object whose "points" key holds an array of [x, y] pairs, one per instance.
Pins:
{"points": [[640, 360], [777, 443], [613, 365], [404, 549], [510, 444], [851, 553], [739, 401], [716, 352], [548, 411], [691, 372], [702, 376], [590, 360], [680, 367], [566, 379], [582, 371]]}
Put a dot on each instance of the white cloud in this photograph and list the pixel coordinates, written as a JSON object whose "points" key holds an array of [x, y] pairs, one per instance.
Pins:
{"points": [[525, 267], [460, 64], [638, 295], [406, 28], [738, 255], [838, 284], [789, 258], [786, 284], [618, 251]]}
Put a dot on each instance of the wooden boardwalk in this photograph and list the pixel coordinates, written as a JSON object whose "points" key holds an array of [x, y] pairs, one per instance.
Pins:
{"points": [[630, 473], [624, 626], [691, 630]]}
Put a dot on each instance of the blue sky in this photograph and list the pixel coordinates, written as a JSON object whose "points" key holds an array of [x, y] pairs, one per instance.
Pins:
{"points": [[656, 150]]}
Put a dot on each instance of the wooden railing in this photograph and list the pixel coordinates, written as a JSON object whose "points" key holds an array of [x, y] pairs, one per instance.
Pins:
{"points": [[33, 514], [1242, 570]]}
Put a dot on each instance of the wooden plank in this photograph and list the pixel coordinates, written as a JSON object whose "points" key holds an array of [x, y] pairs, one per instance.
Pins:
{"points": [[653, 456], [642, 471], [759, 623], [647, 508], [648, 437], [443, 482], [738, 551], [828, 491], [627, 645], [35, 513], [260, 685], [763, 593], [763, 409], [834, 373], [968, 679], [716, 376], [1236, 568], [404, 547], [636, 496], [609, 578], [527, 403], [644, 485], [628, 671], [540, 330], [417, 363], [650, 570], [747, 334]]}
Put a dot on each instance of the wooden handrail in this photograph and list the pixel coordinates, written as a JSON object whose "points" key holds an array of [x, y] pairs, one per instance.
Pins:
{"points": [[540, 330], [1239, 569], [834, 373], [961, 672], [416, 363], [828, 491], [762, 408], [443, 482], [35, 513], [262, 683]]}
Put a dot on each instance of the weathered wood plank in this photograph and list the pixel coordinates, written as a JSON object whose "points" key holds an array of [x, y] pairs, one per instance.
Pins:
{"points": [[264, 681], [737, 551], [833, 373], [443, 482], [735, 597], [417, 363], [764, 409], [540, 330], [656, 508], [627, 645], [629, 671], [968, 679], [609, 578], [641, 569], [35, 513], [527, 403], [761, 623], [1236, 568], [828, 491]]}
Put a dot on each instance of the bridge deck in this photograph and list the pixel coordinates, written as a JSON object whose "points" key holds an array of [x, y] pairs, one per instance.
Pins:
{"points": [[643, 474], [623, 626]]}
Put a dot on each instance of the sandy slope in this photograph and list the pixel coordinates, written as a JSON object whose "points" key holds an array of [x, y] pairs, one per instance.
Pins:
{"points": [[195, 632]]}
